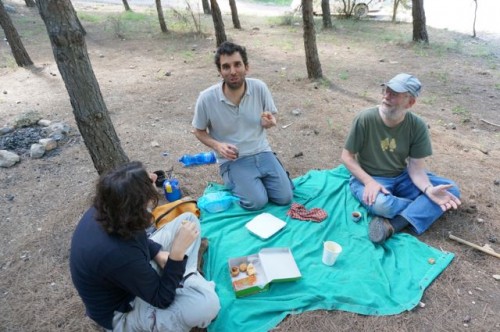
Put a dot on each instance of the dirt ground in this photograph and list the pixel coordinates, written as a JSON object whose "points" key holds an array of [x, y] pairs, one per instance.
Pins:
{"points": [[150, 83]]}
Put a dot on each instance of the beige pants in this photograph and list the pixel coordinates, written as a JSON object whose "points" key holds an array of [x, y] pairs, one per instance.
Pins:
{"points": [[195, 305]]}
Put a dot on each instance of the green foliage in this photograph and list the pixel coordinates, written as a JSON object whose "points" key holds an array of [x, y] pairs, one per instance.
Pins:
{"points": [[187, 54], [286, 19], [462, 112], [428, 100], [92, 18], [134, 17], [344, 75], [324, 82], [330, 123], [185, 20], [7, 61], [421, 49], [129, 23], [441, 76], [286, 44]]}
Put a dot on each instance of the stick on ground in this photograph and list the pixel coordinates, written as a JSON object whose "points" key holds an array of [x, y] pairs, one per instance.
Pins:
{"points": [[475, 246]]}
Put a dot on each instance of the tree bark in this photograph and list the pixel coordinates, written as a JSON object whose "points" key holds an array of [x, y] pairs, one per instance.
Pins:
{"points": [[312, 59], [220, 33], [474, 23], [327, 16], [127, 7], [30, 3], [16, 45], [419, 25], [161, 18], [234, 14], [206, 7], [89, 109], [394, 10]]}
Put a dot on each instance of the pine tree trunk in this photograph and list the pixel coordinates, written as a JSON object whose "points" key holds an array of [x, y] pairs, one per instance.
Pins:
{"points": [[127, 7], [394, 10], [220, 34], [89, 109], [234, 14], [474, 23], [327, 16], [312, 59], [30, 3], [419, 25], [16, 45], [159, 9], [206, 7]]}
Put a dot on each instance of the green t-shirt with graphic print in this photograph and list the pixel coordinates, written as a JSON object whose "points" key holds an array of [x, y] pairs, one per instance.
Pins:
{"points": [[383, 151]]}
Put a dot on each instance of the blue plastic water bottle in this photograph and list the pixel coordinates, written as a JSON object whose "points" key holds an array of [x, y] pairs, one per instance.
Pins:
{"points": [[171, 189], [198, 159]]}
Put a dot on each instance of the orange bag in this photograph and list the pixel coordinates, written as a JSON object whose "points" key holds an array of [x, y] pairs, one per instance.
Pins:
{"points": [[165, 213]]}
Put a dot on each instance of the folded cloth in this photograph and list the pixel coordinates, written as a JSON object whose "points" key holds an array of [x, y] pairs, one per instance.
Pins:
{"points": [[298, 211]]}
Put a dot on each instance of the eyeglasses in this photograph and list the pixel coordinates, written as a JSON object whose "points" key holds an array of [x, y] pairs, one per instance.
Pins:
{"points": [[392, 93]]}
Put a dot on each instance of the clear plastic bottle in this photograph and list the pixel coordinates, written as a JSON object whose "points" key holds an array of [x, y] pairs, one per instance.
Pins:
{"points": [[198, 159]]}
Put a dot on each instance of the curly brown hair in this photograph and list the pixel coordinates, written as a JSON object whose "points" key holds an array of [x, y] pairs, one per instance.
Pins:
{"points": [[228, 48], [122, 199]]}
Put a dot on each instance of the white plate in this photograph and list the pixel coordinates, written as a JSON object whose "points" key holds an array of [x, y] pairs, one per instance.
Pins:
{"points": [[265, 225]]}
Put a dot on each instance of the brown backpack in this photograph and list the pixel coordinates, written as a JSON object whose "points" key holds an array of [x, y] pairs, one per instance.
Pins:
{"points": [[165, 213]]}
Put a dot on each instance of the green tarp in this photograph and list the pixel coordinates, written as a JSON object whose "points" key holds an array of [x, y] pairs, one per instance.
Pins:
{"points": [[367, 279]]}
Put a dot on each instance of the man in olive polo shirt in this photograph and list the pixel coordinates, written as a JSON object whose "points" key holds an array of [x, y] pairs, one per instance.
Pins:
{"points": [[385, 152]]}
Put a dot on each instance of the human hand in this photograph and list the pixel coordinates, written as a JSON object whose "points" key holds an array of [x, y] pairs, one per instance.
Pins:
{"points": [[371, 191], [161, 258], [267, 120], [186, 235], [228, 151], [441, 196]]}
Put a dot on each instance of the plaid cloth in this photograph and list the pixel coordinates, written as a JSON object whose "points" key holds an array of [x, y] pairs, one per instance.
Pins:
{"points": [[298, 211]]}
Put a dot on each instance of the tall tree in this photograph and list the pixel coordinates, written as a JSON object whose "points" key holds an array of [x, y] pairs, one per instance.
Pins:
{"points": [[419, 25], [30, 3], [395, 6], [474, 23], [327, 16], [206, 7], [16, 45], [89, 109], [161, 18], [127, 7], [312, 59], [220, 33], [234, 14]]}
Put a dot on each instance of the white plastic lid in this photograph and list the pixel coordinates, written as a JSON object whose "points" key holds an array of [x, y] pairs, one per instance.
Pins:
{"points": [[265, 225]]}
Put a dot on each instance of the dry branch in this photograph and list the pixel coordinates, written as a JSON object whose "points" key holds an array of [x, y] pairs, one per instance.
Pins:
{"points": [[490, 123], [485, 249]]}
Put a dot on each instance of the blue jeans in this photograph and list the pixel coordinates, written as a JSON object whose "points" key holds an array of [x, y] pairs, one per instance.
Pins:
{"points": [[257, 180], [405, 199]]}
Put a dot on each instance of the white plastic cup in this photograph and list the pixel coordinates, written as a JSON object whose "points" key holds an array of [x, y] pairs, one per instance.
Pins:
{"points": [[356, 216], [331, 250]]}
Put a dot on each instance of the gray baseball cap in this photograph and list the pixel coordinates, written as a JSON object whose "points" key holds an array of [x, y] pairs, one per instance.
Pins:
{"points": [[405, 83]]}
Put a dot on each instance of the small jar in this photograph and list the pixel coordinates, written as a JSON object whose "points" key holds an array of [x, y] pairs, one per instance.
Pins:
{"points": [[172, 190]]}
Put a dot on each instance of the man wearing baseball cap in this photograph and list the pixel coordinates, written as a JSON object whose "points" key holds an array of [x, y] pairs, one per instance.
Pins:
{"points": [[385, 152]]}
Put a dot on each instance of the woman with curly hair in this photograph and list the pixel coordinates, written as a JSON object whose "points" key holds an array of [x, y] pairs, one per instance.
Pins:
{"points": [[127, 281]]}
